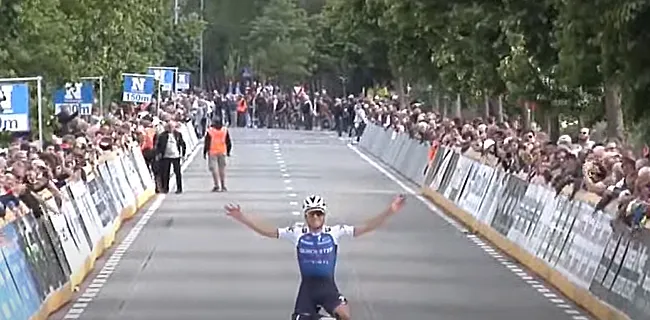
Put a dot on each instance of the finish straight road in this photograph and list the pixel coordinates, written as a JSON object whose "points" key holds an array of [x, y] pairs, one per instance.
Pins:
{"points": [[190, 261]]}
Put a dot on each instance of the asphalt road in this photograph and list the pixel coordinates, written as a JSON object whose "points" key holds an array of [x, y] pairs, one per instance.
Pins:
{"points": [[190, 261]]}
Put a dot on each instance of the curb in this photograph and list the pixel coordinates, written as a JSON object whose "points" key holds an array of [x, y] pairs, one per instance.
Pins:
{"points": [[582, 297]]}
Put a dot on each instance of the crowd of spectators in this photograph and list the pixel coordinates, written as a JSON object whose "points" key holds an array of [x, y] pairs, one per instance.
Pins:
{"points": [[606, 174], [29, 175]]}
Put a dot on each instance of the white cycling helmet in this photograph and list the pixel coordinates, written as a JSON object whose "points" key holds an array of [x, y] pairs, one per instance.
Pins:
{"points": [[314, 202]]}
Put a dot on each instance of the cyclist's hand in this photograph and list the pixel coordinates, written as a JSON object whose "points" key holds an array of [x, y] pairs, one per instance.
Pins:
{"points": [[233, 210], [398, 203]]}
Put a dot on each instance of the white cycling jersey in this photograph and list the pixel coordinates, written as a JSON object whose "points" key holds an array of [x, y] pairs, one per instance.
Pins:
{"points": [[316, 252]]}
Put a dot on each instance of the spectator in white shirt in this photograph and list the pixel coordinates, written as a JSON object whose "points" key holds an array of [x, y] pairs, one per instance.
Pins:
{"points": [[170, 149]]}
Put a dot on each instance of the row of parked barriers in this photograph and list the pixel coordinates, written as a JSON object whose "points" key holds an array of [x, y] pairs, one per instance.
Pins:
{"points": [[42, 259], [599, 264]]}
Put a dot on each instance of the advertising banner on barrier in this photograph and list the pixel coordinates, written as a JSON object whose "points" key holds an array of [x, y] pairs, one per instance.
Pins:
{"points": [[38, 254], [444, 156], [526, 215], [554, 229], [566, 234], [458, 179], [623, 275], [11, 304], [584, 245], [432, 166], [30, 289], [504, 216], [71, 249], [478, 183], [91, 222], [448, 173], [491, 200]]}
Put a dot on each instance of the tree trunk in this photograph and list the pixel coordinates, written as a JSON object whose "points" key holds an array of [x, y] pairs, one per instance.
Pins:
{"points": [[458, 105], [486, 106], [527, 115], [554, 123], [500, 116], [436, 102], [614, 112], [401, 92], [445, 106]]}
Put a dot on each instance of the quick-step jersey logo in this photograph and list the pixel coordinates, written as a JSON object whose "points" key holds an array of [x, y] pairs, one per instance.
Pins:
{"points": [[317, 255]]}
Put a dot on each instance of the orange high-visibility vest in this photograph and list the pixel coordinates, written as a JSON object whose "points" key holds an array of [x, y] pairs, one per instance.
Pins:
{"points": [[242, 106], [217, 141], [149, 136], [432, 151]]}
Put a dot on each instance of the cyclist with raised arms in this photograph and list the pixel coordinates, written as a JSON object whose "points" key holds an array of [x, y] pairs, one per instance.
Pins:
{"points": [[317, 248]]}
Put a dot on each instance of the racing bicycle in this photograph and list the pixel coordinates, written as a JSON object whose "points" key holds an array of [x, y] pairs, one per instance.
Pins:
{"points": [[321, 314]]}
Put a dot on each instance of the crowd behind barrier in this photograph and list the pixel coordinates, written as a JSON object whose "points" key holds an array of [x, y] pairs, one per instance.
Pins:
{"points": [[594, 259], [44, 257]]}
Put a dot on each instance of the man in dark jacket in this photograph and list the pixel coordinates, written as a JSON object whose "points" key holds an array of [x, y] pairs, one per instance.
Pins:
{"points": [[170, 149]]}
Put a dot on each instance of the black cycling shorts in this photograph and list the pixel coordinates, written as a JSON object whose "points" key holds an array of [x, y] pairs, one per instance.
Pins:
{"points": [[317, 292]]}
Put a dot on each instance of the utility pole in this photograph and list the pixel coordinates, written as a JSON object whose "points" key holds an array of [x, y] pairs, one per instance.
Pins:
{"points": [[201, 47], [175, 12]]}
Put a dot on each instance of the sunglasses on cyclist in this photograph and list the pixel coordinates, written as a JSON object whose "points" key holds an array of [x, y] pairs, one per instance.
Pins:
{"points": [[317, 213]]}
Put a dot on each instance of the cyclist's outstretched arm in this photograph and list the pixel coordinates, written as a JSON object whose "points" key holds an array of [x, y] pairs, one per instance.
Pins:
{"points": [[373, 223], [259, 227]]}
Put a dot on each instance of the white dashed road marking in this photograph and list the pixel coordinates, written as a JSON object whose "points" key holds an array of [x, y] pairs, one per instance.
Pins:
{"points": [[408, 189], [521, 273], [82, 302], [287, 182], [513, 267]]}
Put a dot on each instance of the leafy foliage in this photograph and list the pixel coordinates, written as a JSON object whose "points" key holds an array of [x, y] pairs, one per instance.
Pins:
{"points": [[62, 40], [577, 58], [280, 42], [182, 43]]}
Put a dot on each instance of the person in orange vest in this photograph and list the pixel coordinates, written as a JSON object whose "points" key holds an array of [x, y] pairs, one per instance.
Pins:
{"points": [[242, 109], [147, 146], [433, 149], [217, 147]]}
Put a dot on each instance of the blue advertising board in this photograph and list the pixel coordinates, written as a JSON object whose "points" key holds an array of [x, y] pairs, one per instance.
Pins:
{"points": [[11, 306], [21, 274], [183, 81], [78, 96], [138, 88], [14, 107], [247, 73], [164, 76]]}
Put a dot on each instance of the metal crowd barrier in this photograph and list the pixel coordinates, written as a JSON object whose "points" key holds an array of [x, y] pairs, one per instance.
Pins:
{"points": [[43, 258], [593, 253], [406, 156]]}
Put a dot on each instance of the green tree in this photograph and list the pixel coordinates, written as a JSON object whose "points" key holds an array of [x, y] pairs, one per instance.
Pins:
{"points": [[358, 46], [280, 42], [227, 22], [35, 40], [182, 43], [62, 40]]}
